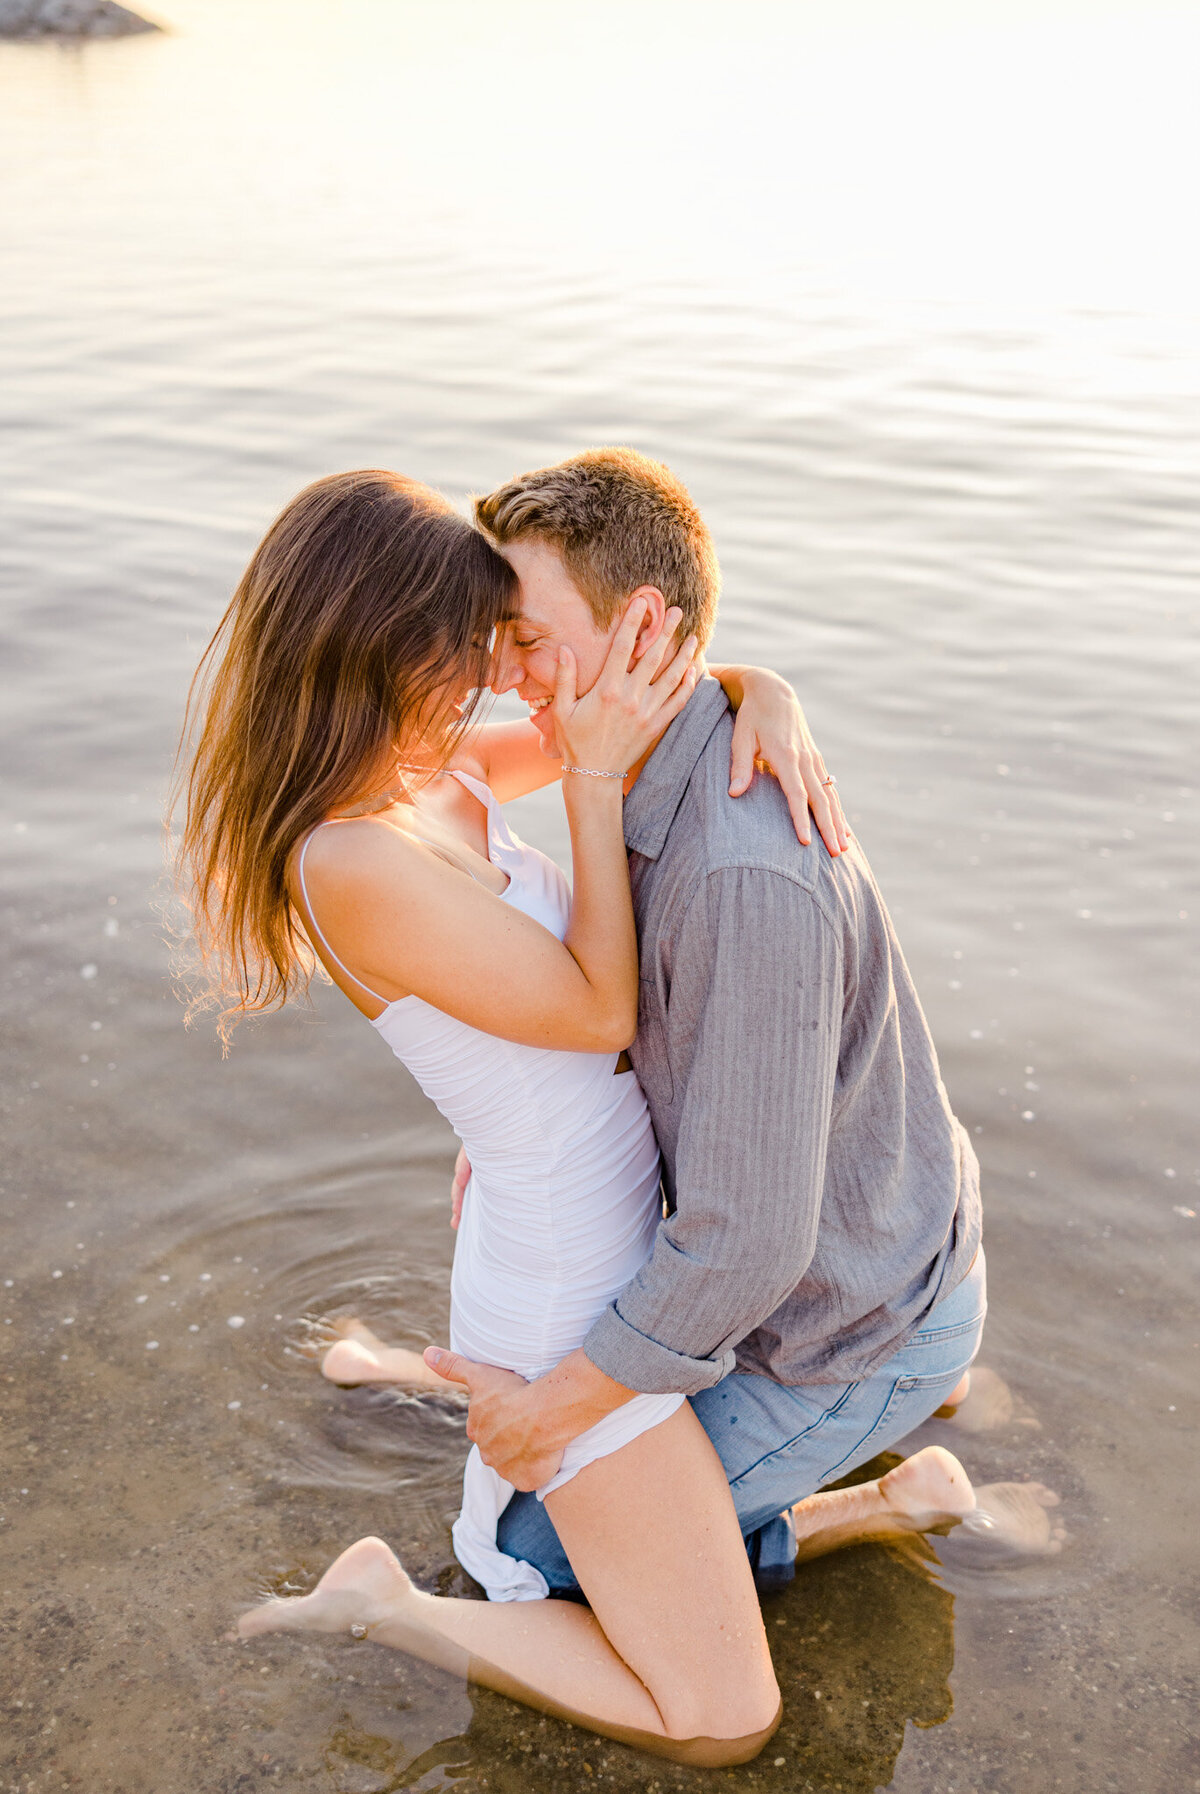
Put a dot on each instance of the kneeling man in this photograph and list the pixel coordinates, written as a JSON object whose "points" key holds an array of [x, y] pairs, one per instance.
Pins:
{"points": [[817, 1286]]}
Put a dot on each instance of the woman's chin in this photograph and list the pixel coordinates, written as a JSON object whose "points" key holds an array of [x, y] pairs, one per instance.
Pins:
{"points": [[546, 730]]}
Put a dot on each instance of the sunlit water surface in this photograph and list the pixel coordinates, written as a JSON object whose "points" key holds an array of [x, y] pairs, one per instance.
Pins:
{"points": [[912, 309]]}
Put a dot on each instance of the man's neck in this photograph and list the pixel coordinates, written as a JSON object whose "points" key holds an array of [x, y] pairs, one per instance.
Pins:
{"points": [[639, 766]]}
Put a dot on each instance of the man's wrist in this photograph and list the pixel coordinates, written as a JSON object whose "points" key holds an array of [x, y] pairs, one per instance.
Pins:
{"points": [[574, 1396]]}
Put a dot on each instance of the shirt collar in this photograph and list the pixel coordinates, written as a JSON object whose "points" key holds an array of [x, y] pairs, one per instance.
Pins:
{"points": [[651, 806]]}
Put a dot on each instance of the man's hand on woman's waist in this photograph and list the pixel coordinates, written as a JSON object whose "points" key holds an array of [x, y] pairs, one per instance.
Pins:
{"points": [[522, 1429]]}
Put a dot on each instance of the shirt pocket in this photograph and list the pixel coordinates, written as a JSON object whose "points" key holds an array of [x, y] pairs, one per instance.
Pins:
{"points": [[650, 1058]]}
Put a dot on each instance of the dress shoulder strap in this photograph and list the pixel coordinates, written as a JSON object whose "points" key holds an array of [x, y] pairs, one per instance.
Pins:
{"points": [[311, 919], [476, 787]]}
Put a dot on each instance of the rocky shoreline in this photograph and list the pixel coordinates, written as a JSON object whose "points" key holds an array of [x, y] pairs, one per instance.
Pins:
{"points": [[69, 18]]}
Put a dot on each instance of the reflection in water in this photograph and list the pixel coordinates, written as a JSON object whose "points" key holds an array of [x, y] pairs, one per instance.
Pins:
{"points": [[863, 1644]]}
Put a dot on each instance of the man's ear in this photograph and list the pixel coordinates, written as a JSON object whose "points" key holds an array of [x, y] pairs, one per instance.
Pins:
{"points": [[652, 624]]}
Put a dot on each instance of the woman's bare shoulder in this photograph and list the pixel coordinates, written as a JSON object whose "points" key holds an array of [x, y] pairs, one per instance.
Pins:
{"points": [[355, 854]]}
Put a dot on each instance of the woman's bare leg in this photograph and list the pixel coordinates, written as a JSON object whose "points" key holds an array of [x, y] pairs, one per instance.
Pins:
{"points": [[654, 1541], [358, 1356], [673, 1658]]}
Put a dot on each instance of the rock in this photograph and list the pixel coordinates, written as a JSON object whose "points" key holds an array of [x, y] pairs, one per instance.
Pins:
{"points": [[69, 18]]}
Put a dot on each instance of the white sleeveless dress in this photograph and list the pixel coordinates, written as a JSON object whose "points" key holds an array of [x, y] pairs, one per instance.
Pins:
{"points": [[560, 1211]]}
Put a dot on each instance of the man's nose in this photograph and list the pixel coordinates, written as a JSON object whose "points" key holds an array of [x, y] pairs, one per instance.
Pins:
{"points": [[507, 672]]}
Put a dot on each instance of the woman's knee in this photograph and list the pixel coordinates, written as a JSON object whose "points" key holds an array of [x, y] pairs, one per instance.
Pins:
{"points": [[702, 1750], [733, 1709]]}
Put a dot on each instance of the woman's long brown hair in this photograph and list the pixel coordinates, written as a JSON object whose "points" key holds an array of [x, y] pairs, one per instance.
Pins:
{"points": [[367, 599]]}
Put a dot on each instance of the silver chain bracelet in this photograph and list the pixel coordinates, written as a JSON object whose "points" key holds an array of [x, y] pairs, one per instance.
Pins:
{"points": [[590, 772]]}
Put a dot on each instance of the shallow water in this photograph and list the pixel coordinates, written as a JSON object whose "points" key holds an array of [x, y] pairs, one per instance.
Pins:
{"points": [[954, 499]]}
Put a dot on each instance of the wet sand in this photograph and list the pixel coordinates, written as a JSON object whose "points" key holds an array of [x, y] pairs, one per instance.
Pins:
{"points": [[968, 533]]}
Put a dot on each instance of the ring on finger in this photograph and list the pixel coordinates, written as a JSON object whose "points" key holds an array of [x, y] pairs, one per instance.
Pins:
{"points": [[829, 781]]}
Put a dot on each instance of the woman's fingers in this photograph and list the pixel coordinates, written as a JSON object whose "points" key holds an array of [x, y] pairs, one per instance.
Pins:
{"points": [[683, 669], [826, 805], [462, 1174], [796, 792], [804, 782], [653, 656], [565, 683], [770, 731], [845, 833], [631, 702], [620, 652], [805, 785], [791, 782], [677, 698], [565, 698], [822, 800], [741, 764], [671, 660]]}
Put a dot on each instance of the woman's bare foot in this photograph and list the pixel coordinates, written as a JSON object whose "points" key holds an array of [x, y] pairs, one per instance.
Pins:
{"points": [[982, 1402], [364, 1586], [358, 1356]]}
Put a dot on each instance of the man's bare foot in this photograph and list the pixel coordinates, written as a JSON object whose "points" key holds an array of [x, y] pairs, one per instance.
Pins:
{"points": [[989, 1525], [982, 1402], [365, 1585], [956, 1397], [358, 1356], [929, 1489]]}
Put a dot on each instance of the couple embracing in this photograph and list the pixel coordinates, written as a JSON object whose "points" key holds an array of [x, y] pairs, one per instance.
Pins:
{"points": [[720, 1231]]}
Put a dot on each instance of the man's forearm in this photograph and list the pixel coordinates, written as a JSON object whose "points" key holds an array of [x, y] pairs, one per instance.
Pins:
{"points": [[758, 1033]]}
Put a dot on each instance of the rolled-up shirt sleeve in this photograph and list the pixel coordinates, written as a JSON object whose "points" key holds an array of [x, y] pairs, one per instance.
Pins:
{"points": [[753, 1027]]}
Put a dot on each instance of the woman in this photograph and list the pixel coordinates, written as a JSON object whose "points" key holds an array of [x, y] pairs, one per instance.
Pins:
{"points": [[340, 800]]}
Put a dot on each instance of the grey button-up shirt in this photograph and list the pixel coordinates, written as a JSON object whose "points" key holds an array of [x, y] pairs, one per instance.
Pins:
{"points": [[821, 1195]]}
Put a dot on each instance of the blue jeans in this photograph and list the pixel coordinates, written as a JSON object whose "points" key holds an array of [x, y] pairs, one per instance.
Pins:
{"points": [[779, 1443]]}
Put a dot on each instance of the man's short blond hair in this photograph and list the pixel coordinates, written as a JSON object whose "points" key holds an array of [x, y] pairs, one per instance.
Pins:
{"points": [[619, 521]]}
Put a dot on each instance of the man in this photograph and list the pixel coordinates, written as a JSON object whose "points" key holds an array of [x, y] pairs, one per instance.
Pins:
{"points": [[816, 1286]]}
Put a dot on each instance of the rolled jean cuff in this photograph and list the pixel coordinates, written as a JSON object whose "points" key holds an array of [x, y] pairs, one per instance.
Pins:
{"points": [[772, 1553], [641, 1363]]}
